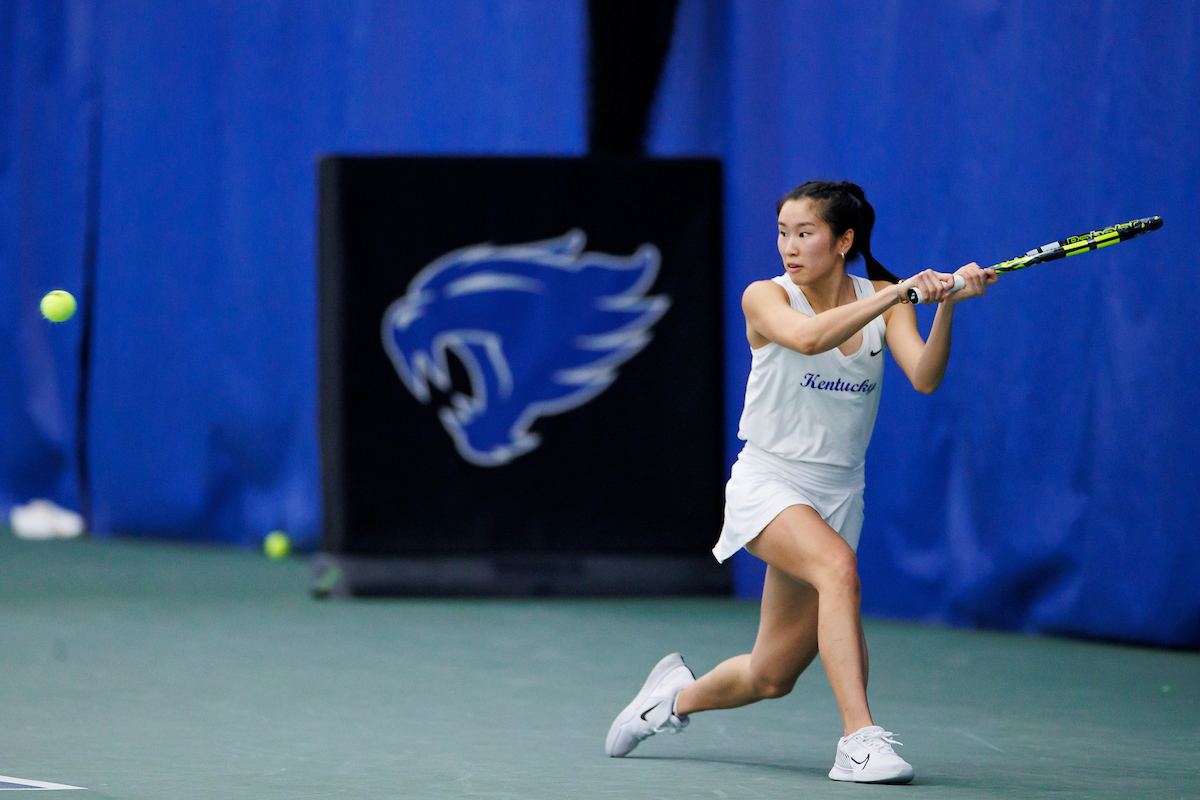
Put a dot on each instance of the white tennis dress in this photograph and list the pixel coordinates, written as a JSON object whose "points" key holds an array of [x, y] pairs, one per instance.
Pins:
{"points": [[806, 423]]}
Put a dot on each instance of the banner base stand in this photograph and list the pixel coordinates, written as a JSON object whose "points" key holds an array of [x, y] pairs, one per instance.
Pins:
{"points": [[540, 575]]}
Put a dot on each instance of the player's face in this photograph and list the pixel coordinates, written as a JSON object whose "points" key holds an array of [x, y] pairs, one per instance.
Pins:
{"points": [[806, 243]]}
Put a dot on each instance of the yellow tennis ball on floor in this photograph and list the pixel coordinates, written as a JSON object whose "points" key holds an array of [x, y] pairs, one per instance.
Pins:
{"points": [[58, 306], [276, 545]]}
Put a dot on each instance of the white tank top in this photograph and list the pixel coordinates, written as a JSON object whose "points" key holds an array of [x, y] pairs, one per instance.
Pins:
{"points": [[816, 409]]}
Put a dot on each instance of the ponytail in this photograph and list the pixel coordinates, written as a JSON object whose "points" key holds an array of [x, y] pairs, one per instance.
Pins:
{"points": [[843, 206]]}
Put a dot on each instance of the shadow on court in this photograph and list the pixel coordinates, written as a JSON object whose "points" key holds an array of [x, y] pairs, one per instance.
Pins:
{"points": [[805, 770]]}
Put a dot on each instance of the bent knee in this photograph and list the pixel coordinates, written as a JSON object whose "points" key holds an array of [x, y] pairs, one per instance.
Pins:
{"points": [[768, 687], [840, 574]]}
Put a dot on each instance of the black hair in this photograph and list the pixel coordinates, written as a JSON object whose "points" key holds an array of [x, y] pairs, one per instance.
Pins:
{"points": [[843, 206]]}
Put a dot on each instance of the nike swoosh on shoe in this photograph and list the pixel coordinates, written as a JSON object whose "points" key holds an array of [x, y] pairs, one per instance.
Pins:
{"points": [[651, 708]]}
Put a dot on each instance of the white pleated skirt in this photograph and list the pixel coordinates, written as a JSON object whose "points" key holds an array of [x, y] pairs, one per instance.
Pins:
{"points": [[762, 484]]}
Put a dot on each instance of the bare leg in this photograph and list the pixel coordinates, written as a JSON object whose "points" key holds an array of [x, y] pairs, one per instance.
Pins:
{"points": [[805, 557], [785, 646], [866, 662]]}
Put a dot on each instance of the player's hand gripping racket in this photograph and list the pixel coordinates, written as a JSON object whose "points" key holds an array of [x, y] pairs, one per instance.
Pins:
{"points": [[1062, 249]]}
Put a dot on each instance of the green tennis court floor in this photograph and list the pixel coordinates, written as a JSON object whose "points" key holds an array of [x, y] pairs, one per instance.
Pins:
{"points": [[143, 670]]}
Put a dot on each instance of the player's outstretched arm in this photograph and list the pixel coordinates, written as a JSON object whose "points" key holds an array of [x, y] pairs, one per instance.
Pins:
{"points": [[924, 362], [770, 317]]}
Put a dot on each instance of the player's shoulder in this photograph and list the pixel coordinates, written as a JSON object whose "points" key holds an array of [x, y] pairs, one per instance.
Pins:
{"points": [[769, 287], [882, 285], [764, 291]]}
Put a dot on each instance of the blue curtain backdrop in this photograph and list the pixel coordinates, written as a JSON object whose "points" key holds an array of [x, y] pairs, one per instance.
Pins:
{"points": [[203, 403], [1049, 484], [47, 89]]}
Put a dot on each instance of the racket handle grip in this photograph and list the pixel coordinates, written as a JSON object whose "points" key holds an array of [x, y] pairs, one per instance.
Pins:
{"points": [[915, 297]]}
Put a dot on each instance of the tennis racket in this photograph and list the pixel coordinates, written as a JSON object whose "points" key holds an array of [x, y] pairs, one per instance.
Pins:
{"points": [[1061, 249]]}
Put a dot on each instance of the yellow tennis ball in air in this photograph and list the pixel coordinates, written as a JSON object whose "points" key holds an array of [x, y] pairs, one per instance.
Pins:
{"points": [[58, 306], [276, 545]]}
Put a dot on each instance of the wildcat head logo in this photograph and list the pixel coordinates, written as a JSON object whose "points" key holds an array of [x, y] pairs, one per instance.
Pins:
{"points": [[541, 329]]}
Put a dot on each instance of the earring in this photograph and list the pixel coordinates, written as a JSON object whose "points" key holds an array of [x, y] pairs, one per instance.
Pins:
{"points": [[843, 255]]}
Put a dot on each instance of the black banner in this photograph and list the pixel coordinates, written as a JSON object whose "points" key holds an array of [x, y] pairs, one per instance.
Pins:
{"points": [[520, 356]]}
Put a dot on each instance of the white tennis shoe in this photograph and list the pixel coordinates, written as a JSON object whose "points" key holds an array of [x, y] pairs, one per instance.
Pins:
{"points": [[653, 710], [866, 756]]}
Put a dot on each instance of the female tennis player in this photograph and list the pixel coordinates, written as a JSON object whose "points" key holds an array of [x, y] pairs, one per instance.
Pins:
{"points": [[795, 495]]}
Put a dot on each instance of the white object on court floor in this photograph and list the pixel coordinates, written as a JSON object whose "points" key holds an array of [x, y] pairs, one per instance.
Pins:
{"points": [[42, 519], [21, 783]]}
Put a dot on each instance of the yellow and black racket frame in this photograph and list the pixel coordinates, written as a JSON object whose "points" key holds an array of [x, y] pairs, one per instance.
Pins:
{"points": [[1081, 244]]}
